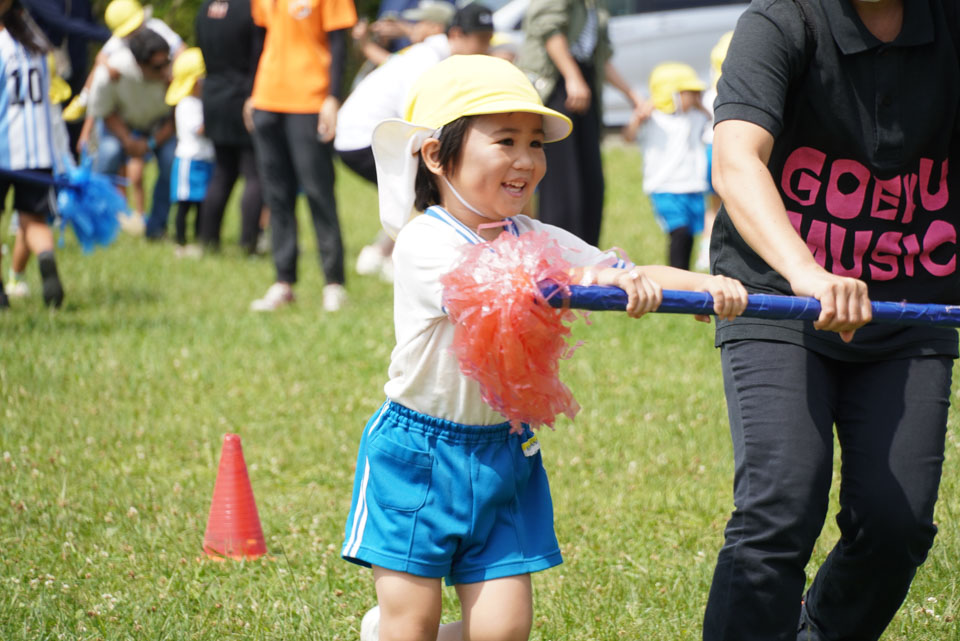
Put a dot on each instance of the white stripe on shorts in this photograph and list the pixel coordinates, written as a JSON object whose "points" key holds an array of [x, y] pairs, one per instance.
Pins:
{"points": [[360, 517], [352, 546]]}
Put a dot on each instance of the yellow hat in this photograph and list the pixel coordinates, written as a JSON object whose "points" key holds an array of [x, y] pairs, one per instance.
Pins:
{"points": [[459, 86], [670, 78], [123, 17], [59, 89], [717, 55], [186, 69]]}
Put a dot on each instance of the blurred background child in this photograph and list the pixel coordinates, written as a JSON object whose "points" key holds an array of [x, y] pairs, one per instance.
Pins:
{"points": [[17, 286], [194, 155], [23, 67], [670, 132]]}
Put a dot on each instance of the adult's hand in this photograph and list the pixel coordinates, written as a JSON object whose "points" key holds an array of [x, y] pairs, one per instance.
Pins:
{"points": [[844, 302], [135, 147], [578, 94], [248, 114], [327, 122]]}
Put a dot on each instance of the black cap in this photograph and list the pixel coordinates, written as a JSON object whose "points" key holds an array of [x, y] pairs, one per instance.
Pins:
{"points": [[472, 18]]}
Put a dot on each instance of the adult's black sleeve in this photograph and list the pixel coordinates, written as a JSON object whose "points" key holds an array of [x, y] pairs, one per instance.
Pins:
{"points": [[338, 61], [766, 53]]}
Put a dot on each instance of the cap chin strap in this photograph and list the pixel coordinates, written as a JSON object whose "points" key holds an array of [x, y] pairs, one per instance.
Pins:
{"points": [[465, 203]]}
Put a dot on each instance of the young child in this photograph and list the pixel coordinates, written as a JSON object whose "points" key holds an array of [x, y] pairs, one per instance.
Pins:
{"points": [[17, 286], [443, 488], [193, 161], [674, 155], [26, 136]]}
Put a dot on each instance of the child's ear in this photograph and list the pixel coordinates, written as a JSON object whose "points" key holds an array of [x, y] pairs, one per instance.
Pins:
{"points": [[430, 152]]}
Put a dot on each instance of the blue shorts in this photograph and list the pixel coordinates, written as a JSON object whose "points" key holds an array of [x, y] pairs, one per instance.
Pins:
{"points": [[674, 211], [437, 499], [189, 179]]}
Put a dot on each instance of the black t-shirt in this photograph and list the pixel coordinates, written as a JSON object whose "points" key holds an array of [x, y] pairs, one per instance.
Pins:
{"points": [[231, 48], [864, 134]]}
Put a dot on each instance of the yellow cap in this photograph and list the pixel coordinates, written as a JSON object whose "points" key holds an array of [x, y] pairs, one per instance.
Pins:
{"points": [[670, 78], [717, 55], [75, 110], [459, 86], [123, 17], [186, 69], [59, 89], [474, 85]]}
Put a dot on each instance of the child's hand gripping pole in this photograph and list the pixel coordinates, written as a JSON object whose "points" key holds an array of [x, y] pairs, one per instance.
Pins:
{"points": [[770, 306]]}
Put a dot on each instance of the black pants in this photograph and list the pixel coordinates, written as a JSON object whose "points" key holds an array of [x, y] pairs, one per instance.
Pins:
{"points": [[571, 192], [180, 224], [361, 161], [291, 157], [231, 162], [783, 402]]}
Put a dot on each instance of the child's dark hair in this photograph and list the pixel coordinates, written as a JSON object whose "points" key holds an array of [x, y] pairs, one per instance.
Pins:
{"points": [[24, 30], [145, 44], [451, 138]]}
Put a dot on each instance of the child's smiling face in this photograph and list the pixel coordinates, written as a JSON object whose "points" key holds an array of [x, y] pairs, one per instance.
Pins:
{"points": [[500, 165]]}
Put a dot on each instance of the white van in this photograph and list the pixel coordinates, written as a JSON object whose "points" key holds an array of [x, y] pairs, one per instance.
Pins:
{"points": [[645, 33]]}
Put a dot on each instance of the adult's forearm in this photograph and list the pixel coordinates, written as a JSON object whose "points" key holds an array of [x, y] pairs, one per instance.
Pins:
{"points": [[559, 51]]}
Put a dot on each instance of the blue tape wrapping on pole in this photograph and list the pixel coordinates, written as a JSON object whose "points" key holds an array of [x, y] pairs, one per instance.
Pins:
{"points": [[770, 306]]}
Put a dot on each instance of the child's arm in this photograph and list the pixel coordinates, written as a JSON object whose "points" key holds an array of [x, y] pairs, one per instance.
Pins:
{"points": [[729, 295], [643, 284], [641, 113], [643, 294]]}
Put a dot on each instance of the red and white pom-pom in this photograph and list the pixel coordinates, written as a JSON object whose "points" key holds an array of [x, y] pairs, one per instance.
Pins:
{"points": [[507, 336]]}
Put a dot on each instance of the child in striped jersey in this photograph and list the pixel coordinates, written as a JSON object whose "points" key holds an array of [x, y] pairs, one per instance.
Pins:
{"points": [[27, 139], [444, 488]]}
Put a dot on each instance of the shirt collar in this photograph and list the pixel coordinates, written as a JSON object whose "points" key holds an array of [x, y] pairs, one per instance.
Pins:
{"points": [[853, 37]]}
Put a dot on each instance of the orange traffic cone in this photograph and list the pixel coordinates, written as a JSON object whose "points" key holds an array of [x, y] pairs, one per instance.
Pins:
{"points": [[233, 528]]}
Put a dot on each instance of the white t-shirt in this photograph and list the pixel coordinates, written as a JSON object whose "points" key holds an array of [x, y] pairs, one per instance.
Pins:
{"points": [[709, 96], [382, 93], [138, 102], [158, 26], [674, 154], [424, 373], [191, 144]]}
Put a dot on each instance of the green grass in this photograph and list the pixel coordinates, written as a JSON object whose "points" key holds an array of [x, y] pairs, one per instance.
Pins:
{"points": [[113, 409]]}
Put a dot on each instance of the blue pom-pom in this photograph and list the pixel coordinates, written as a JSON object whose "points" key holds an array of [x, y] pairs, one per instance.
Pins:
{"points": [[90, 202]]}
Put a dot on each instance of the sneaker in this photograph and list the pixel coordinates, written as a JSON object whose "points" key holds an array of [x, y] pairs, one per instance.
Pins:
{"points": [[370, 260], [334, 296], [188, 251], [132, 223], [18, 289], [263, 244], [370, 625], [277, 296], [52, 289]]}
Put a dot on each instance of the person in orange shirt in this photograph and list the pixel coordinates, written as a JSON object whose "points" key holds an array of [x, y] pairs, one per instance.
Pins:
{"points": [[296, 95]]}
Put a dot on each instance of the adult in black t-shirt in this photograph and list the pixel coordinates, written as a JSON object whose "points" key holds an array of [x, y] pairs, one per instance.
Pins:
{"points": [[231, 46], [837, 121]]}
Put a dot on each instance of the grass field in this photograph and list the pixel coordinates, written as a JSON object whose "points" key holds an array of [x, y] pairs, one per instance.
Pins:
{"points": [[113, 410]]}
